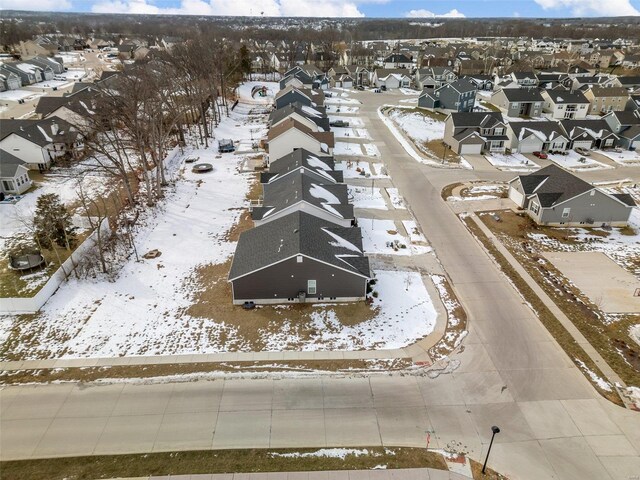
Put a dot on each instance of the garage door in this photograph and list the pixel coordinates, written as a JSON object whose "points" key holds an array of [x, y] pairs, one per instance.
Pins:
{"points": [[471, 148], [516, 196], [582, 143], [635, 144]]}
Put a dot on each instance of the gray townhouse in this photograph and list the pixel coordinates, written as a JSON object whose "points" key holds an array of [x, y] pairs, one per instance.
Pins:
{"points": [[321, 169], [552, 196], [590, 134], [457, 96], [29, 74], [518, 102], [299, 258], [476, 132], [9, 80], [543, 136], [432, 78], [626, 125], [300, 191], [48, 65]]}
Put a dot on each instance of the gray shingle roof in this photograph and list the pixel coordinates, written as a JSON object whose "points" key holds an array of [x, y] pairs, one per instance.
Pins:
{"points": [[476, 119], [299, 234], [552, 184], [323, 166], [9, 164], [544, 130], [522, 95]]}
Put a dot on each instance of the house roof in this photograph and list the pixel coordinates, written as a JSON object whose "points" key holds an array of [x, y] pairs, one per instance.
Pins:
{"points": [[289, 190], [316, 114], [289, 123], [565, 96], [553, 185], [476, 119], [323, 166], [299, 234], [9, 164], [609, 91], [545, 131], [522, 95], [595, 128], [41, 132]]}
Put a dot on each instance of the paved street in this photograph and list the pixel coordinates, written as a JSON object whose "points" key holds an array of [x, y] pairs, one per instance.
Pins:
{"points": [[512, 374]]}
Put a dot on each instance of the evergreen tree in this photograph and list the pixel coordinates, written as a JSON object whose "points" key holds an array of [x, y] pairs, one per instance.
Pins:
{"points": [[52, 223]]}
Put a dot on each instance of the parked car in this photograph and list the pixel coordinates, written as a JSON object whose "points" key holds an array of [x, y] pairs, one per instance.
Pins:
{"points": [[541, 155], [582, 151], [339, 123], [383, 88], [359, 87], [376, 90]]}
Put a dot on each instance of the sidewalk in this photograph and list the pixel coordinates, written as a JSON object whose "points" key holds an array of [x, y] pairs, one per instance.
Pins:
{"points": [[399, 474], [612, 376]]}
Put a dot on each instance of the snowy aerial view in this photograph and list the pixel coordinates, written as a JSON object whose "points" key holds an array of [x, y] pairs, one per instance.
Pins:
{"points": [[276, 240]]}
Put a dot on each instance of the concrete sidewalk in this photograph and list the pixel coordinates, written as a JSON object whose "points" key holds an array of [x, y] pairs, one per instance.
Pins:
{"points": [[399, 474]]}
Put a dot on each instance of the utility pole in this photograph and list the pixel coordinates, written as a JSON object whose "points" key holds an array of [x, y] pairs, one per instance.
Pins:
{"points": [[494, 430]]}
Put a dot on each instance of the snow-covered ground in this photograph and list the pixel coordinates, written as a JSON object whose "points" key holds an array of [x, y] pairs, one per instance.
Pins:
{"points": [[366, 197], [356, 149], [344, 109], [141, 312], [71, 57], [409, 91], [396, 198], [382, 237], [404, 313], [362, 169], [50, 84], [341, 132], [626, 157], [571, 161], [74, 74], [335, 100], [15, 95], [413, 231], [352, 121], [418, 127], [245, 89], [515, 162]]}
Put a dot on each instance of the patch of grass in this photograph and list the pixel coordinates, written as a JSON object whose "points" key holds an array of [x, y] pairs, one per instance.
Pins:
{"points": [[476, 471], [548, 319], [213, 300], [448, 190], [441, 151], [158, 371], [214, 461], [456, 322], [610, 339]]}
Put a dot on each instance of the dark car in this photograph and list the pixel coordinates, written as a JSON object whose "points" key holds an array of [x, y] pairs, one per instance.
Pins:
{"points": [[339, 123]]}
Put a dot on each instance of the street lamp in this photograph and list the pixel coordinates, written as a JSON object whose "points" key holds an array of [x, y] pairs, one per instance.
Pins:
{"points": [[495, 430]]}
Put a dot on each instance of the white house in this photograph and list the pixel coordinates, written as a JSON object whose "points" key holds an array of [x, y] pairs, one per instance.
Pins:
{"points": [[563, 104], [14, 175]]}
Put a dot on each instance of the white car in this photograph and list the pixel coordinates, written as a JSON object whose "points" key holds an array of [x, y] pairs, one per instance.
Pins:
{"points": [[583, 151]]}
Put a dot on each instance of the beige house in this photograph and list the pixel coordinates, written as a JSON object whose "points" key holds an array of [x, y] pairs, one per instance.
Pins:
{"points": [[606, 99]]}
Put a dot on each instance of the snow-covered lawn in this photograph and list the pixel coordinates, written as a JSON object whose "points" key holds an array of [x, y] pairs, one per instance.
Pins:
{"points": [[382, 237], [396, 198], [71, 57], [366, 197], [15, 95], [142, 311], [341, 132], [413, 231], [572, 161], [344, 109], [74, 74], [245, 89], [515, 162], [626, 157], [352, 121], [362, 169], [409, 91], [418, 127], [356, 149], [409, 101], [49, 84]]}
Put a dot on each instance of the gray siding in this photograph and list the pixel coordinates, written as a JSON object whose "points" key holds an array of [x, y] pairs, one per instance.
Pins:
{"points": [[286, 279], [588, 209]]}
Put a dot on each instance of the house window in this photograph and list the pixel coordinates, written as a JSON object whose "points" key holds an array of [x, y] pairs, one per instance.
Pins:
{"points": [[534, 207], [499, 131], [311, 287], [566, 212], [592, 193], [299, 259]]}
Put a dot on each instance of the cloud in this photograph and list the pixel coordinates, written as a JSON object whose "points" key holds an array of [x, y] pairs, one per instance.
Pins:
{"points": [[40, 5], [268, 8], [422, 13], [605, 8]]}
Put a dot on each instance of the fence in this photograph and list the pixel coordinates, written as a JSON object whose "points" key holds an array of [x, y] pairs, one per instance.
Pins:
{"points": [[14, 305]]}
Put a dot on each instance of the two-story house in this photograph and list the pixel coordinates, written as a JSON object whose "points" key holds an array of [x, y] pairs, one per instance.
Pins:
{"points": [[559, 104], [518, 102], [457, 96], [606, 99], [476, 132], [433, 77]]}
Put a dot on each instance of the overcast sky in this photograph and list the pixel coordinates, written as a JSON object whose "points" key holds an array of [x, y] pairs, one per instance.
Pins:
{"points": [[345, 8]]}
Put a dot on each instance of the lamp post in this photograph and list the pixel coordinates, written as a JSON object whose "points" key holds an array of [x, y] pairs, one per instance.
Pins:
{"points": [[495, 430]]}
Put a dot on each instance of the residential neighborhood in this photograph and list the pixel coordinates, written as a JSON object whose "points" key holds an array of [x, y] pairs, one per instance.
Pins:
{"points": [[275, 245]]}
